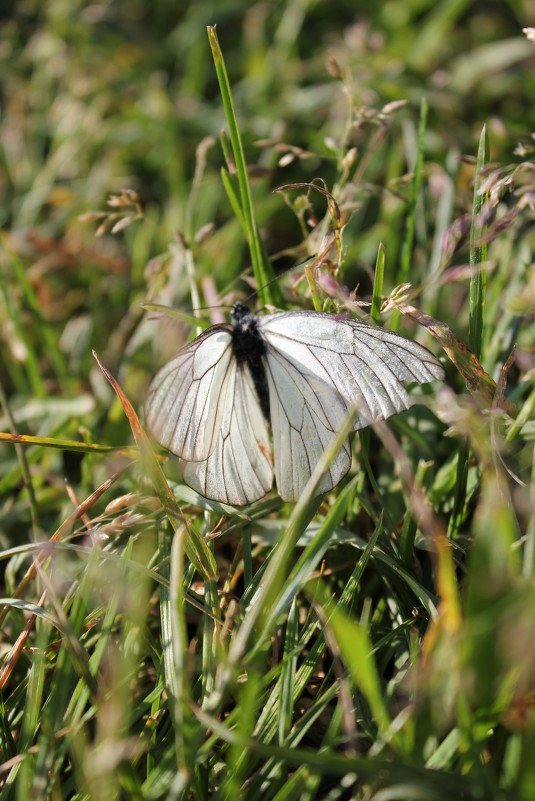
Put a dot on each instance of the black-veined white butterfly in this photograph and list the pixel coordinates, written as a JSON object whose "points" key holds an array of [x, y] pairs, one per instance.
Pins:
{"points": [[299, 370]]}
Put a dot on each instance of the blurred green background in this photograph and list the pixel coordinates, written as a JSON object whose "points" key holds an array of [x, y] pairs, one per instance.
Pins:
{"points": [[100, 96]]}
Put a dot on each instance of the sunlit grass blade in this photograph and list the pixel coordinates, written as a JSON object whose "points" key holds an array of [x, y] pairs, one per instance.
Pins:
{"points": [[406, 255], [288, 673], [174, 645], [66, 444], [356, 651], [266, 723], [210, 639], [478, 257], [232, 193], [378, 278], [375, 316], [261, 610]]}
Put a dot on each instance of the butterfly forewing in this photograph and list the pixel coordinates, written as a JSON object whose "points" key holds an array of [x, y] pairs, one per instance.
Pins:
{"points": [[405, 359], [186, 398], [365, 364], [319, 366]]}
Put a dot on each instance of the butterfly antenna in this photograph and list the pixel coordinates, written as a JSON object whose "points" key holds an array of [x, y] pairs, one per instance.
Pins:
{"points": [[256, 291], [277, 277]]}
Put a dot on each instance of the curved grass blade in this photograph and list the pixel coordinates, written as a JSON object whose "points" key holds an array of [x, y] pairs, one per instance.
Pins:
{"points": [[196, 548]]}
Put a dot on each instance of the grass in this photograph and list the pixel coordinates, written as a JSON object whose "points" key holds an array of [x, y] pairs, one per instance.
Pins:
{"points": [[374, 643]]}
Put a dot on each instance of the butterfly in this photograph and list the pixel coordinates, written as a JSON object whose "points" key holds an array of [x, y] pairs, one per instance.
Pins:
{"points": [[300, 371]]}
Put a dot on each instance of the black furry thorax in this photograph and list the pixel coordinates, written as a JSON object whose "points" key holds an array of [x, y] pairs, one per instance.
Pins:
{"points": [[248, 344], [249, 348]]}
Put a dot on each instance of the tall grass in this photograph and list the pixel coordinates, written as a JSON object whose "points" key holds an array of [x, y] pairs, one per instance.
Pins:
{"points": [[373, 643]]}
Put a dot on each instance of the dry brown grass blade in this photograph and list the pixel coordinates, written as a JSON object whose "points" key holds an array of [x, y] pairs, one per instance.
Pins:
{"points": [[195, 546], [477, 380], [16, 649]]}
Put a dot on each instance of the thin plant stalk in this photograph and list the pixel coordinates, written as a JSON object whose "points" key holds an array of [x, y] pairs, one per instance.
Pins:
{"points": [[478, 256], [267, 293], [410, 226]]}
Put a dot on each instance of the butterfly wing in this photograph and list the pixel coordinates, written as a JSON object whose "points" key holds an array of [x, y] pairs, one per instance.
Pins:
{"points": [[306, 413], [186, 398], [239, 470], [203, 407], [318, 366]]}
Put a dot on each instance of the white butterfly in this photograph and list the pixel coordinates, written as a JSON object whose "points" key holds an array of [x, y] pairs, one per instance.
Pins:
{"points": [[302, 371]]}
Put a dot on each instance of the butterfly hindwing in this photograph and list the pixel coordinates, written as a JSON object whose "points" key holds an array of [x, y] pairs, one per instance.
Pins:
{"points": [[306, 414]]}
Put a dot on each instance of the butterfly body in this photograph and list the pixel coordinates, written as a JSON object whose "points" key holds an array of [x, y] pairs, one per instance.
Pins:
{"points": [[249, 348], [301, 372]]}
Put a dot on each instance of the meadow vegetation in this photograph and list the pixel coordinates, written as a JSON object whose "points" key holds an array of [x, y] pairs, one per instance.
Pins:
{"points": [[374, 643]]}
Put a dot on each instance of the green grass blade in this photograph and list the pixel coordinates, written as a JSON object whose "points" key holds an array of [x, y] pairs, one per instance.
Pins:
{"points": [[478, 256], [57, 358], [29, 373], [410, 225], [232, 194], [209, 639], [288, 673], [267, 293], [529, 550], [356, 651], [478, 253], [174, 643], [378, 278], [66, 444], [262, 608]]}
